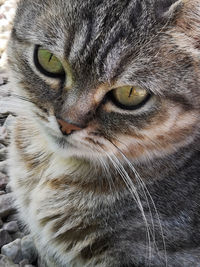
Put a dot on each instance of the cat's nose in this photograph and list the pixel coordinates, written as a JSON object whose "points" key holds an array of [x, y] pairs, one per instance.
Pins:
{"points": [[68, 128]]}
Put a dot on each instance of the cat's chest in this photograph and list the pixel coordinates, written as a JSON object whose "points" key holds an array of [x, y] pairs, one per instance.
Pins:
{"points": [[73, 223], [80, 223]]}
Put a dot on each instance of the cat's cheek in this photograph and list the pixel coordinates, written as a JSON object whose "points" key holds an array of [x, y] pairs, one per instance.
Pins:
{"points": [[174, 133]]}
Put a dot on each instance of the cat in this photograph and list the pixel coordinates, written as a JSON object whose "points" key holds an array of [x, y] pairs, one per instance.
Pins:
{"points": [[104, 158]]}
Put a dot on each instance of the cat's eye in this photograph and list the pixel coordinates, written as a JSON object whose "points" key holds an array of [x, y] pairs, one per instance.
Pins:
{"points": [[129, 97], [48, 63]]}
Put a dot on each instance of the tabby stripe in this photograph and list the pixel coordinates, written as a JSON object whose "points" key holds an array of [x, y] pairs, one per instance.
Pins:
{"points": [[44, 221], [78, 233], [69, 42], [135, 14], [88, 35], [97, 248], [103, 55]]}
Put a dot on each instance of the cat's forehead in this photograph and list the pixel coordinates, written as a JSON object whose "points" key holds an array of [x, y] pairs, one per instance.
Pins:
{"points": [[49, 16], [86, 30], [49, 20]]}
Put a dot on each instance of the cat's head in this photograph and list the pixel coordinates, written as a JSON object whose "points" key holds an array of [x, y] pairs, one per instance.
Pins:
{"points": [[123, 74]]}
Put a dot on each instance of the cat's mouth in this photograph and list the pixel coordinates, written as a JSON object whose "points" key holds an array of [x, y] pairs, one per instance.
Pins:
{"points": [[81, 145], [86, 142]]}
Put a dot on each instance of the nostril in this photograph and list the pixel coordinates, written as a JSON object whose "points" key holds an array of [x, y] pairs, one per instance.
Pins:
{"points": [[68, 128], [62, 130]]}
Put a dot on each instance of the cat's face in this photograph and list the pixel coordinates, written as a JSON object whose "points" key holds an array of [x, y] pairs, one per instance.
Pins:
{"points": [[125, 73]]}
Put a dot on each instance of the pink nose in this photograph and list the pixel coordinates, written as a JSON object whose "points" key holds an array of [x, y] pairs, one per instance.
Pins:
{"points": [[67, 128]]}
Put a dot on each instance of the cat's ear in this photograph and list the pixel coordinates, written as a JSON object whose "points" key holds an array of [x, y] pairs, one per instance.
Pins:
{"points": [[167, 9], [185, 31]]}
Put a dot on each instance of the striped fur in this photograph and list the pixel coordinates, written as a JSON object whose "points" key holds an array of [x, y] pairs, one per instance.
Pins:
{"points": [[123, 191]]}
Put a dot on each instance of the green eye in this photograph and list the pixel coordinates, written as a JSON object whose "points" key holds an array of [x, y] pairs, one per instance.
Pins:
{"points": [[129, 97], [49, 64]]}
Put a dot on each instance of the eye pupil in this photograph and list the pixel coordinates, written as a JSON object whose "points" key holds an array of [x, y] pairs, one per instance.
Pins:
{"points": [[50, 57], [131, 91]]}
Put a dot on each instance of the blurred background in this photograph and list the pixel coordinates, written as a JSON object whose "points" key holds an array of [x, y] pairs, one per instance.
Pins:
{"points": [[7, 12]]}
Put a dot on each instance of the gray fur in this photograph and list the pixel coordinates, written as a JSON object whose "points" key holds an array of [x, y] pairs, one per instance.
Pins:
{"points": [[147, 43]]}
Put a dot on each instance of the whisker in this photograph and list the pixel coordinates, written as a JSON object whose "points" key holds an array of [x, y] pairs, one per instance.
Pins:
{"points": [[118, 166], [152, 201], [146, 194], [108, 175], [23, 98], [37, 112], [149, 232]]}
